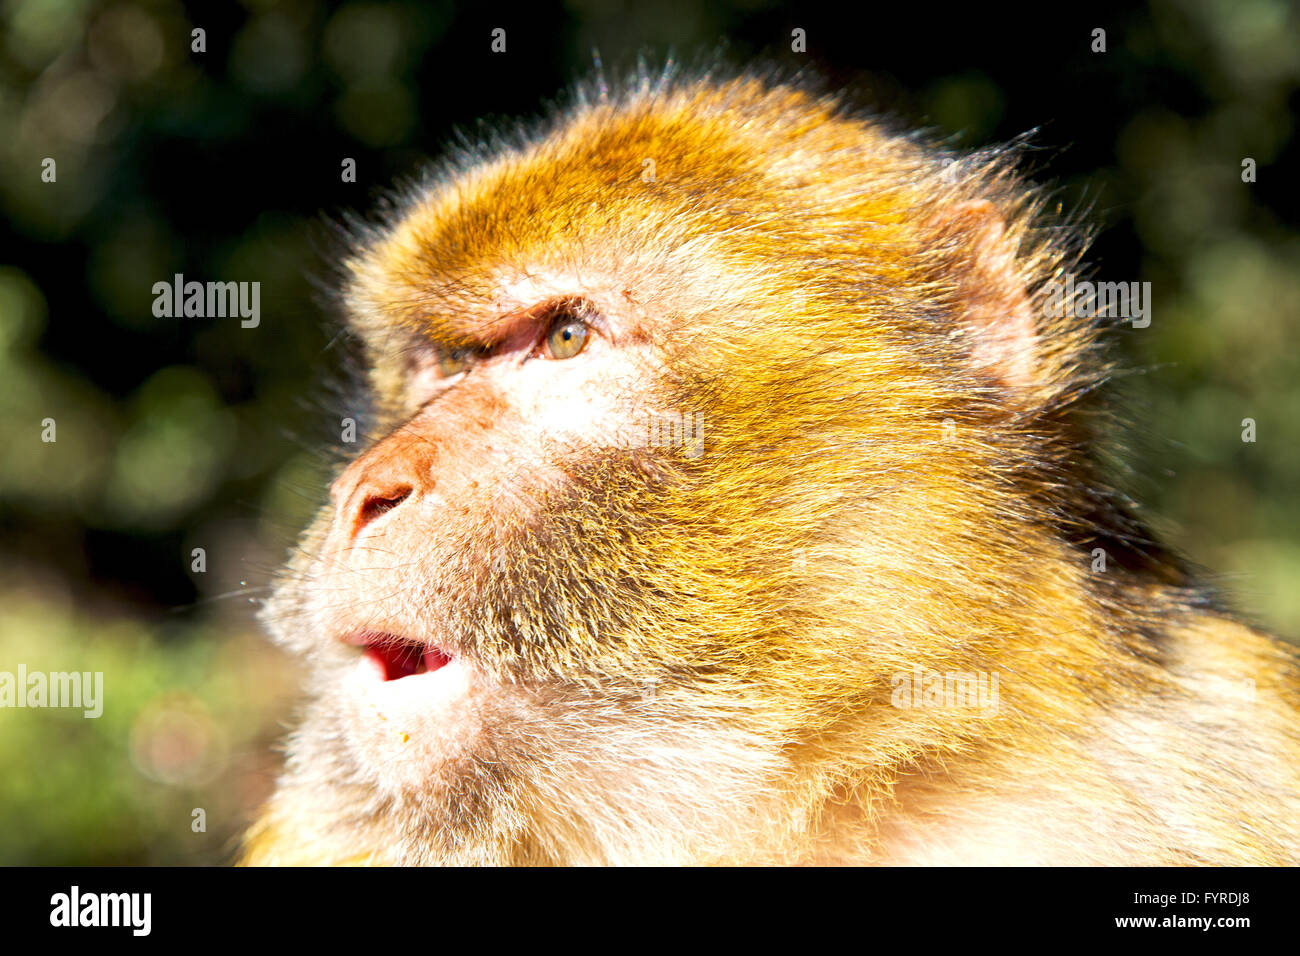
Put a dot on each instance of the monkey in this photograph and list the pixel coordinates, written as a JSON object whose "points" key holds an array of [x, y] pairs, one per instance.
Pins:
{"points": [[731, 496]]}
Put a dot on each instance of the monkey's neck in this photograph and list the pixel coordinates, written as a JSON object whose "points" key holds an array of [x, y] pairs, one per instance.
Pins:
{"points": [[1025, 662]]}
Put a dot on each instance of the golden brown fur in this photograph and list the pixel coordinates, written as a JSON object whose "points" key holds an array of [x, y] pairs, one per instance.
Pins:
{"points": [[895, 480]]}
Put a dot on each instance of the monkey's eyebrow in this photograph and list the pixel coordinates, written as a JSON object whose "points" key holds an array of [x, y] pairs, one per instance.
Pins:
{"points": [[467, 337], [514, 329]]}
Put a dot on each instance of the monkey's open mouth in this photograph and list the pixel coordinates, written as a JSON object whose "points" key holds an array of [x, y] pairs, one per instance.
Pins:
{"points": [[402, 658]]}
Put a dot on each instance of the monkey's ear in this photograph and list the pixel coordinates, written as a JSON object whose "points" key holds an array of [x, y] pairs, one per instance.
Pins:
{"points": [[997, 311]]}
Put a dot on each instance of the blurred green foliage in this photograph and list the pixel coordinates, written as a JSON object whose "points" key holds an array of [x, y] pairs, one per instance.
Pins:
{"points": [[183, 728], [174, 434]]}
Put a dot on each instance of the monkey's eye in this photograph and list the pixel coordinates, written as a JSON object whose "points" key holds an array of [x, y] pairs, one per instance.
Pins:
{"points": [[453, 362], [568, 337]]}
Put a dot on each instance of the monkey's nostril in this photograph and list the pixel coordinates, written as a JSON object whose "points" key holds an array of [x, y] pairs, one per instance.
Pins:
{"points": [[376, 505]]}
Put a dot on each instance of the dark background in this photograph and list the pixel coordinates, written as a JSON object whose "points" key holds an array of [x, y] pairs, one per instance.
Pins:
{"points": [[225, 165]]}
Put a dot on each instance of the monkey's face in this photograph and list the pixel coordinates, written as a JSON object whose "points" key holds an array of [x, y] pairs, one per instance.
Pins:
{"points": [[471, 554], [512, 588], [637, 519]]}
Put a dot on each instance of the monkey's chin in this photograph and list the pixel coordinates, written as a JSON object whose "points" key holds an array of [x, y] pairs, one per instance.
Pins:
{"points": [[404, 730]]}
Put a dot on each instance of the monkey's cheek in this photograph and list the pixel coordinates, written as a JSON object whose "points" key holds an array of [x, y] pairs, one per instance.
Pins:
{"points": [[405, 730]]}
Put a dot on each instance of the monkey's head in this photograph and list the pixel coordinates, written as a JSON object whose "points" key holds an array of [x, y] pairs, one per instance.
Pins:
{"points": [[698, 415]]}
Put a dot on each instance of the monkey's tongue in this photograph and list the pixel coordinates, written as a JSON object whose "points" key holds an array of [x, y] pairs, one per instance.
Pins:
{"points": [[400, 659]]}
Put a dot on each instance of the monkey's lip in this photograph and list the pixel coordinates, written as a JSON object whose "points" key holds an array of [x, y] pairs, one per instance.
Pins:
{"points": [[402, 725], [397, 657]]}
